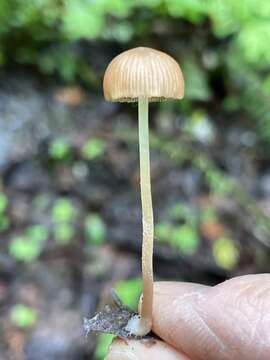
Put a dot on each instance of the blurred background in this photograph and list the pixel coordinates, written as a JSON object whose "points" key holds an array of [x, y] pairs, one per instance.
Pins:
{"points": [[70, 217]]}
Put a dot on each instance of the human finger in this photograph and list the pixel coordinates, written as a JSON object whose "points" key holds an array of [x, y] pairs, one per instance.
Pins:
{"points": [[227, 321]]}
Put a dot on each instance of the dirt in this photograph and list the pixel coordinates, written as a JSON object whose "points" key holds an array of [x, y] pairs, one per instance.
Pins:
{"points": [[69, 282]]}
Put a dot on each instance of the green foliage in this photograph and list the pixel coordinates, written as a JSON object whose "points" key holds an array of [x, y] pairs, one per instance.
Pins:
{"points": [[103, 343], [182, 212], [181, 232], [122, 32], [192, 10], [231, 103], [45, 33], [163, 232], [59, 149], [209, 214], [63, 211], [225, 253], [37, 233], [231, 16], [196, 81], [24, 250], [23, 316], [93, 149], [3, 202], [61, 59], [82, 20], [216, 180], [63, 233], [4, 219], [186, 239], [251, 41], [129, 292], [4, 222], [63, 216], [65, 21], [28, 246], [95, 229]]}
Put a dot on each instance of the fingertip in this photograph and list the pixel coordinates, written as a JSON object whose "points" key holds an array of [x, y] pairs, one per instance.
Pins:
{"points": [[173, 312], [119, 350], [229, 320], [143, 350], [169, 298]]}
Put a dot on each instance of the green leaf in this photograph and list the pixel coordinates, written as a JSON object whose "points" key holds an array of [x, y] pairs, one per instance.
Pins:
{"points": [[93, 149], [23, 249], [103, 343], [63, 233], [37, 233], [95, 229], [196, 81], [192, 10], [209, 214], [179, 211], [63, 211], [253, 41], [217, 182], [163, 231], [266, 86], [117, 8], [225, 253], [82, 20], [231, 103], [121, 32], [186, 239], [228, 16], [59, 149], [129, 292], [23, 316]]}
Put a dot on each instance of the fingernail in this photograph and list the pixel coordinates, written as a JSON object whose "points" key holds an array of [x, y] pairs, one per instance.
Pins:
{"points": [[119, 350]]}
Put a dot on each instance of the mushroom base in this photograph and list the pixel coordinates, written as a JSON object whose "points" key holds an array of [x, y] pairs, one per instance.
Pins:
{"points": [[117, 319]]}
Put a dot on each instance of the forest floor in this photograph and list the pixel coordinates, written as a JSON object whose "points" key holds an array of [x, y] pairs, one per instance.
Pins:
{"points": [[211, 195]]}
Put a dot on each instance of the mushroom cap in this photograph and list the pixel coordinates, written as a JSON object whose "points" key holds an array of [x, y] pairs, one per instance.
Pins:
{"points": [[143, 72]]}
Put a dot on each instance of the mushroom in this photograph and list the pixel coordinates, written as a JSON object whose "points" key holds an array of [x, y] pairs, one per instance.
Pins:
{"points": [[144, 75]]}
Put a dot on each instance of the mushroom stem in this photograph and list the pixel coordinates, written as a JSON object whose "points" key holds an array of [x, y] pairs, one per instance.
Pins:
{"points": [[147, 215]]}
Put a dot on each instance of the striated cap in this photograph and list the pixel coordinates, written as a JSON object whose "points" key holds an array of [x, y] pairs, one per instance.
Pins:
{"points": [[143, 72]]}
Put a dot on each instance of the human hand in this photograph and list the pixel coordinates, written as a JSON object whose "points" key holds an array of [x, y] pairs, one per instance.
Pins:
{"points": [[230, 321]]}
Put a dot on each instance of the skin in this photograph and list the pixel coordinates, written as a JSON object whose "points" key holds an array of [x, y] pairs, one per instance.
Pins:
{"points": [[230, 321]]}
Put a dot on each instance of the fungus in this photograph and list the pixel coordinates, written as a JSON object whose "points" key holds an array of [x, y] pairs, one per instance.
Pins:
{"points": [[144, 75], [140, 75]]}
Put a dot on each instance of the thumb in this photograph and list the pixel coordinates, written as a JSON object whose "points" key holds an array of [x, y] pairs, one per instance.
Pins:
{"points": [[143, 350], [228, 321]]}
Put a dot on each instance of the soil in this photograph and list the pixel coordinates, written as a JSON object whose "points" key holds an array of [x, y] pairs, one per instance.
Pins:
{"points": [[70, 282]]}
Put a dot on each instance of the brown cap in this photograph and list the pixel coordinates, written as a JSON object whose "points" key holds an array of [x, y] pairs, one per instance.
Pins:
{"points": [[143, 72]]}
